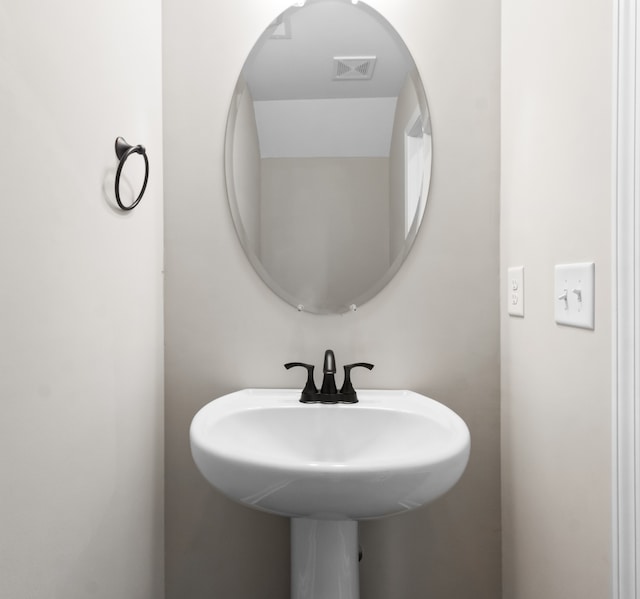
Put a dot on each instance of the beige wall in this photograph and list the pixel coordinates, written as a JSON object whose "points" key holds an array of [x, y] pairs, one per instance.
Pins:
{"points": [[556, 198], [81, 374], [433, 329]]}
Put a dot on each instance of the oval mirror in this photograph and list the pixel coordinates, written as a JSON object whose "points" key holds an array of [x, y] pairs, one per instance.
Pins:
{"points": [[328, 155]]}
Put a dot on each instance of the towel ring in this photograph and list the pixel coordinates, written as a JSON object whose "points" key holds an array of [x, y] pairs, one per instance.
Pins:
{"points": [[123, 151]]}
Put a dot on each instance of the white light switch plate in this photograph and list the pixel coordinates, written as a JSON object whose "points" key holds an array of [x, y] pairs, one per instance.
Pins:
{"points": [[515, 291], [574, 294]]}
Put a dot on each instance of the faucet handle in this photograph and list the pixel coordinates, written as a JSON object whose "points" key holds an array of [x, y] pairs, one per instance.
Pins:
{"points": [[310, 388], [347, 388]]}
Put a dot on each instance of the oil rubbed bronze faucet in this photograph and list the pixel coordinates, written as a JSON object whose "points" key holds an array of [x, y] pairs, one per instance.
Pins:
{"points": [[329, 392]]}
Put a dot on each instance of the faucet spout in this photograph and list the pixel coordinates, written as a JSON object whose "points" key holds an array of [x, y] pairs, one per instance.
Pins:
{"points": [[329, 371]]}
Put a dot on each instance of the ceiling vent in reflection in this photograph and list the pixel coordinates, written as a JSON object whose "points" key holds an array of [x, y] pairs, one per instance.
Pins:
{"points": [[350, 68]]}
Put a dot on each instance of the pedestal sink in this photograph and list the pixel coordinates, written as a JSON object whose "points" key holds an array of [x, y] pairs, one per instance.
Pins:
{"points": [[328, 466]]}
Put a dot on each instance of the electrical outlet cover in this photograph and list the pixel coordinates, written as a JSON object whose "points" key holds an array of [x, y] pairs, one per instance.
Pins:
{"points": [[515, 291]]}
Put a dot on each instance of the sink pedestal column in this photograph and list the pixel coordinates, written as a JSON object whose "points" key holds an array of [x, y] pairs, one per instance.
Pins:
{"points": [[324, 559]]}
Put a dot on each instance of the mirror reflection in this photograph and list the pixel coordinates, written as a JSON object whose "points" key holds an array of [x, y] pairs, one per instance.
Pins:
{"points": [[328, 155]]}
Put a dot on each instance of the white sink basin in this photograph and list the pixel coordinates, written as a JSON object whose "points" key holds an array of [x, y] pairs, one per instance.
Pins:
{"points": [[393, 451]]}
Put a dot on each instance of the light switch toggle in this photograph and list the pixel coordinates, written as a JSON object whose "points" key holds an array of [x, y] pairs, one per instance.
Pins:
{"points": [[565, 298], [578, 293]]}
